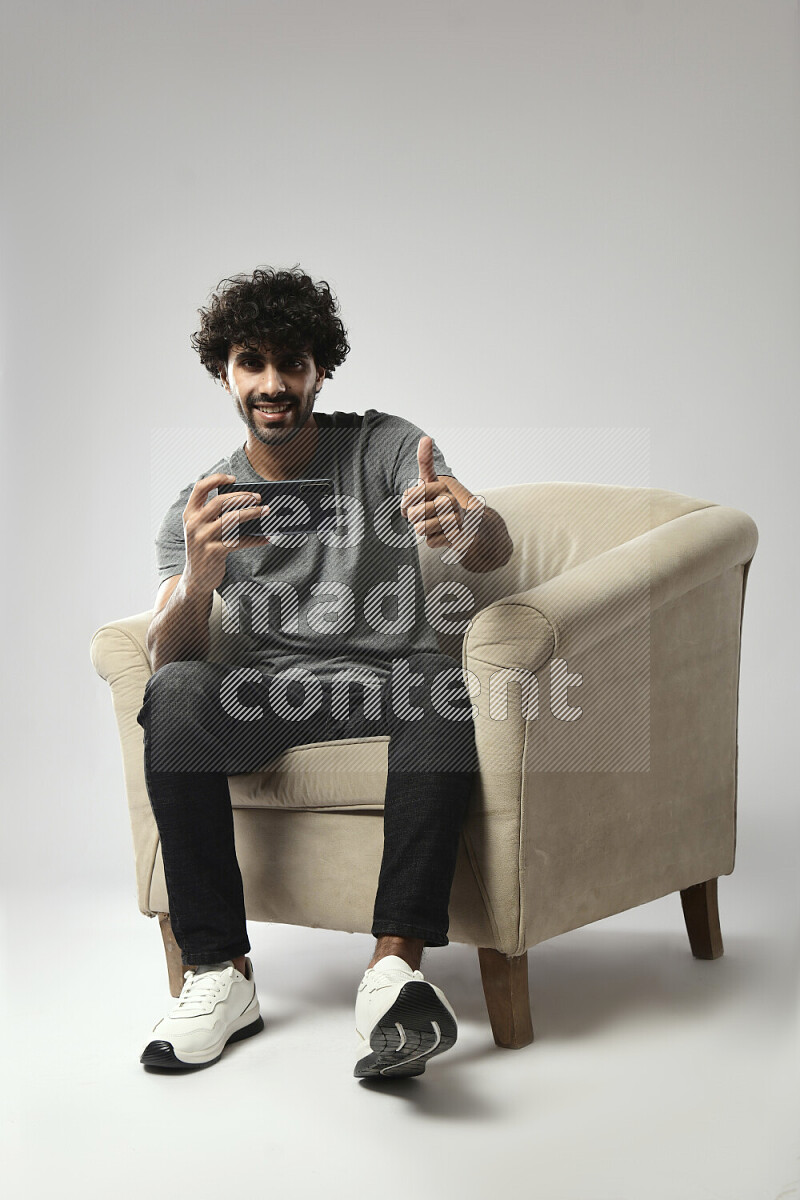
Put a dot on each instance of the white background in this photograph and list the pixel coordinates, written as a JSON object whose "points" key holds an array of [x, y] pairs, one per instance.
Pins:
{"points": [[541, 219]]}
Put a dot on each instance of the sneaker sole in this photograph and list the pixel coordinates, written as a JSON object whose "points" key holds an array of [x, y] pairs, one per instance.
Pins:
{"points": [[162, 1054], [416, 1027]]}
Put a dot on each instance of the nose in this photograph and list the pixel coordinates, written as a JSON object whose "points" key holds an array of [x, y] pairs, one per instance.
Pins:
{"points": [[270, 383]]}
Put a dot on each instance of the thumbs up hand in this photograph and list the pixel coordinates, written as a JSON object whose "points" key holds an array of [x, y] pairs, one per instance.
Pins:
{"points": [[427, 474], [431, 507]]}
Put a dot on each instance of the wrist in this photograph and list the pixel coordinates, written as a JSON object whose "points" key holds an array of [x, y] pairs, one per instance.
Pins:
{"points": [[193, 590]]}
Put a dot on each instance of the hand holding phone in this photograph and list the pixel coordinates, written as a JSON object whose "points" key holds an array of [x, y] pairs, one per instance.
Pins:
{"points": [[208, 526], [293, 505]]}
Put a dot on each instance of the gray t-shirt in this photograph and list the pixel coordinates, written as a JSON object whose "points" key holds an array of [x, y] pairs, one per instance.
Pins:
{"points": [[351, 596]]}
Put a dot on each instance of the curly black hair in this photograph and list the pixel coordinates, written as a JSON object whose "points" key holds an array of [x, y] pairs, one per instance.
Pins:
{"points": [[284, 309]]}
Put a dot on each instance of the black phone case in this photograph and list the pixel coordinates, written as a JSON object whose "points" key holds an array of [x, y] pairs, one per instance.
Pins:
{"points": [[309, 491]]}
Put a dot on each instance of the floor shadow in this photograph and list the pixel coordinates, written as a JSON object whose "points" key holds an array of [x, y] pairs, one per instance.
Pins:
{"points": [[581, 981]]}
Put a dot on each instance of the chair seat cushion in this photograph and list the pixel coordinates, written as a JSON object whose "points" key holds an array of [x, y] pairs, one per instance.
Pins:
{"points": [[349, 774]]}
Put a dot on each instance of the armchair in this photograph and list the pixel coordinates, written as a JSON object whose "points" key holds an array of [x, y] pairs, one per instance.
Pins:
{"points": [[620, 606]]}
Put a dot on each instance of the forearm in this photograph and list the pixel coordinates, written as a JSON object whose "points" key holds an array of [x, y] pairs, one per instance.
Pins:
{"points": [[491, 547], [180, 631]]}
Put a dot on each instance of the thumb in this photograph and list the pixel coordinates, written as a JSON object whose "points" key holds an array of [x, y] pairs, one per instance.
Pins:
{"points": [[425, 460]]}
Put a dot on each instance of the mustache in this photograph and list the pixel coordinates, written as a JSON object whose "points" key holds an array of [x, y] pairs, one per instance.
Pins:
{"points": [[257, 398]]}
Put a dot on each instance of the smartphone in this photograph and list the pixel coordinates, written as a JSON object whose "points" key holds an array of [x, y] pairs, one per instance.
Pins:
{"points": [[295, 505]]}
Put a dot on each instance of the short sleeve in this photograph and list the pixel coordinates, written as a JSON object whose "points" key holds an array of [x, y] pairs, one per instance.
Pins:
{"points": [[403, 438], [170, 541]]}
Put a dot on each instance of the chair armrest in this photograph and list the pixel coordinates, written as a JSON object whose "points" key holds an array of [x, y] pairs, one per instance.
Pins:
{"points": [[600, 597], [121, 646], [119, 655], [564, 617]]}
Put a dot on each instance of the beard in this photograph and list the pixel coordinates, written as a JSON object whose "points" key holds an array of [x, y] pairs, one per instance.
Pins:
{"points": [[290, 425]]}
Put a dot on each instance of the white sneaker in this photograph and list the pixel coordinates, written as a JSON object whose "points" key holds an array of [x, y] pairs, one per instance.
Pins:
{"points": [[401, 1020], [217, 1005]]}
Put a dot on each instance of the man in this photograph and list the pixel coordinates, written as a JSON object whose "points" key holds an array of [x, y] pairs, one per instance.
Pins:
{"points": [[271, 339]]}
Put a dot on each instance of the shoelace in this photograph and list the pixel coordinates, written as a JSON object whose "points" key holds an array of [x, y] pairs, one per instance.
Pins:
{"points": [[381, 979], [198, 990]]}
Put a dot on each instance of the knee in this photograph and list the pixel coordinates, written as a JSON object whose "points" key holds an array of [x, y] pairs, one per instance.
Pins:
{"points": [[177, 692], [178, 680], [176, 715]]}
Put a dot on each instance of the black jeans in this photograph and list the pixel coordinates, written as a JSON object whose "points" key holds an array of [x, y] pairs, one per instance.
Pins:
{"points": [[204, 721]]}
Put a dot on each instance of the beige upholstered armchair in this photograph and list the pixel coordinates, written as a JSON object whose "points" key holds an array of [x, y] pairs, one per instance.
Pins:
{"points": [[604, 670]]}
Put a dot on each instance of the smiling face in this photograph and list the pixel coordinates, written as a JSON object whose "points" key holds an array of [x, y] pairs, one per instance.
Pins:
{"points": [[274, 392]]}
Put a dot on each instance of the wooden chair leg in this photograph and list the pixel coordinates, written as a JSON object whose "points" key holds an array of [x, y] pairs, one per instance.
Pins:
{"points": [[701, 914], [505, 986], [175, 967]]}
